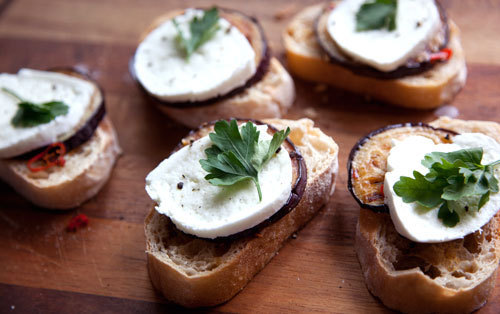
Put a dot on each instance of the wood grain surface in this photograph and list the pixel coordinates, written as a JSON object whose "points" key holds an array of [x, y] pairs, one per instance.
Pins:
{"points": [[102, 268]]}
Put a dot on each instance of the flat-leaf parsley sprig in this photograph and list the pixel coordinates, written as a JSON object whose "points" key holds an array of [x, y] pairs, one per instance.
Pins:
{"points": [[32, 114], [456, 180], [378, 14], [201, 30], [236, 156]]}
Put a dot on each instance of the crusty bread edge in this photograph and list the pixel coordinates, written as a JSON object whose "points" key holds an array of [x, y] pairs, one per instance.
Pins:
{"points": [[222, 285], [74, 192], [411, 290], [419, 92]]}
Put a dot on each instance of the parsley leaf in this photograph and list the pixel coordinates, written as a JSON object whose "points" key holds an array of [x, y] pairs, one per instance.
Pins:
{"points": [[456, 180], [420, 190], [201, 30], [449, 217], [377, 14], [32, 114], [238, 156]]}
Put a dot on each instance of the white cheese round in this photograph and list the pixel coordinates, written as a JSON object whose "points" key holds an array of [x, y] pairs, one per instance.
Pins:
{"points": [[40, 86], [417, 223], [417, 21], [210, 211], [221, 64]]}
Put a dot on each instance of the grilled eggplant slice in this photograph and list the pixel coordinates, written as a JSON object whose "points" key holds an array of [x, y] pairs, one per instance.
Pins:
{"points": [[367, 163], [254, 33], [413, 66], [89, 122]]}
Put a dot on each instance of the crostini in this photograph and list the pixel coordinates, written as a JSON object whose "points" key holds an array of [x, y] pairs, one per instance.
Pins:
{"points": [[213, 227], [406, 53], [427, 237], [203, 65], [57, 147]]}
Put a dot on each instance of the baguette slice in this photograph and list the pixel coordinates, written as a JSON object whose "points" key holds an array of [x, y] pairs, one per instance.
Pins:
{"points": [[86, 170], [428, 90], [270, 97], [451, 277], [194, 272]]}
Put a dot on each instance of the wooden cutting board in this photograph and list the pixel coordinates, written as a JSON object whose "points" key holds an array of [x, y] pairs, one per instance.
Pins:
{"points": [[102, 268]]}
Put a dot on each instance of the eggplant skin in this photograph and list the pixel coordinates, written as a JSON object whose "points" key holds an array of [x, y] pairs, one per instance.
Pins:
{"points": [[299, 177], [264, 60], [412, 66], [367, 162]]}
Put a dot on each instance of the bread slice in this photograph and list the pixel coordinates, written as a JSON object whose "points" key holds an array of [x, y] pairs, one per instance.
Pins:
{"points": [[86, 170], [271, 97], [194, 272], [307, 60], [450, 277]]}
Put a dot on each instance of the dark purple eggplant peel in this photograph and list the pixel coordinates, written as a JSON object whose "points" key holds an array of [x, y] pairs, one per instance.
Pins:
{"points": [[299, 179], [87, 129], [254, 33], [367, 163], [413, 66]]}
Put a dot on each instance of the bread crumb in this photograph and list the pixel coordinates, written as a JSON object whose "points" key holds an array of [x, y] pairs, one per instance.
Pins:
{"points": [[310, 112], [285, 12]]}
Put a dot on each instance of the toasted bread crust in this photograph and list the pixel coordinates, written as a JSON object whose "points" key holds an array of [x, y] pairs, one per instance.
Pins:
{"points": [[451, 277], [86, 170], [431, 89], [172, 257]]}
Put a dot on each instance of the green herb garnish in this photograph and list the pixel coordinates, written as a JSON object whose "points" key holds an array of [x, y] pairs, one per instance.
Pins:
{"points": [[31, 114], [235, 157], [378, 14], [201, 29], [457, 181]]}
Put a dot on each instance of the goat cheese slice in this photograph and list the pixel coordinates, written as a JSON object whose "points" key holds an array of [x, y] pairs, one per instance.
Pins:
{"points": [[221, 64], [417, 21], [40, 86], [199, 208], [418, 223]]}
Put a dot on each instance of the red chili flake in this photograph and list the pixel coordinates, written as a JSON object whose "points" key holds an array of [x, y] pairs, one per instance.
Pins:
{"points": [[355, 174], [382, 189], [442, 55], [53, 155], [77, 222]]}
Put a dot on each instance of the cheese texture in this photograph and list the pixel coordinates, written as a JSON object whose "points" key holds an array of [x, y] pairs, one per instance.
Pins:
{"points": [[221, 64], [417, 223], [40, 86], [417, 21], [197, 207]]}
